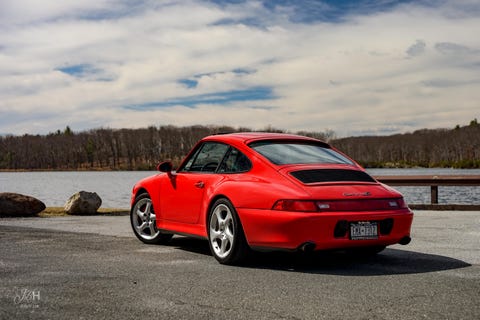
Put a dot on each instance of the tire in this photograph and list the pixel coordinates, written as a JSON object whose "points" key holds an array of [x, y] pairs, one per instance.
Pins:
{"points": [[225, 234], [143, 221]]}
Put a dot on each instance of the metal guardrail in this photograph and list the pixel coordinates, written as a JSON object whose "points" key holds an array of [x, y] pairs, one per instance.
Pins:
{"points": [[434, 182]]}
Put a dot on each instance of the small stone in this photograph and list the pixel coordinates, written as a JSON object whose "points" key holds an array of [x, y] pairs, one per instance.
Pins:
{"points": [[83, 202]]}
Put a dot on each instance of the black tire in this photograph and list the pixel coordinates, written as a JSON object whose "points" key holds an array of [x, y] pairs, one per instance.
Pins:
{"points": [[225, 234], [143, 221]]}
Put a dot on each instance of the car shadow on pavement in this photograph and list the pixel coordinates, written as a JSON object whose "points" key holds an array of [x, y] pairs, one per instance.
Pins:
{"points": [[388, 262]]}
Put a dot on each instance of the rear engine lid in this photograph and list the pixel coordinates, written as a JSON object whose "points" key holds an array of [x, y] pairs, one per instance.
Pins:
{"points": [[339, 183]]}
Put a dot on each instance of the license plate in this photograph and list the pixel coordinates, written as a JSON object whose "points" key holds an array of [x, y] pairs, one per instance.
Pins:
{"points": [[363, 230]]}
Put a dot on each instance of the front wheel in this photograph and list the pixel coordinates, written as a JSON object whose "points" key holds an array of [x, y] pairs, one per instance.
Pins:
{"points": [[144, 221], [225, 234]]}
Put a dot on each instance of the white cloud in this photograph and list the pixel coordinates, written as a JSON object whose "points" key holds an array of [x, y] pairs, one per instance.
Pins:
{"points": [[410, 67], [18, 12]]}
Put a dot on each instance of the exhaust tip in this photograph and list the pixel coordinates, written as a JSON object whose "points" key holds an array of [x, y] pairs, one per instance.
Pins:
{"points": [[405, 240], [307, 247]]}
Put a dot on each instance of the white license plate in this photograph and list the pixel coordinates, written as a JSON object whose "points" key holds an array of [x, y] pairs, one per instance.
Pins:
{"points": [[363, 230]]}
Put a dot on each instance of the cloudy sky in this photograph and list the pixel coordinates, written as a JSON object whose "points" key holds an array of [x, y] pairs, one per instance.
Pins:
{"points": [[355, 67]]}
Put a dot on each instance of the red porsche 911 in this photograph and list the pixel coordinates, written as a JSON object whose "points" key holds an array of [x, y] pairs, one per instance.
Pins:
{"points": [[266, 191]]}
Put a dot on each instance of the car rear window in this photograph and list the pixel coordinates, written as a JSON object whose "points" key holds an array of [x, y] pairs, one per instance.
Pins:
{"points": [[281, 153]]}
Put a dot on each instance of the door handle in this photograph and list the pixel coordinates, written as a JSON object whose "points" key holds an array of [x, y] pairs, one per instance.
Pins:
{"points": [[200, 184]]}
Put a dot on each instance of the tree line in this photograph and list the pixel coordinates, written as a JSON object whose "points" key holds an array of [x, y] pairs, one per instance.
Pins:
{"points": [[446, 148], [109, 149], [142, 149]]}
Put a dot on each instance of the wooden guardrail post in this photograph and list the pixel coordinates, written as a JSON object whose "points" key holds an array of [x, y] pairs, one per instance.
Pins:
{"points": [[434, 182], [434, 194]]}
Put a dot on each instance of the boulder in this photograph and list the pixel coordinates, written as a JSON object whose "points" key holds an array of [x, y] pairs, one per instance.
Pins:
{"points": [[19, 205], [83, 202]]}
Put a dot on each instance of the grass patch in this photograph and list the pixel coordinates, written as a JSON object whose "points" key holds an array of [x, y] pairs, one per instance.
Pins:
{"points": [[60, 212]]}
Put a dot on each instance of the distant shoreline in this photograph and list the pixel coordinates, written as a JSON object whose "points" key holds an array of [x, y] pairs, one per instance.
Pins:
{"points": [[141, 149], [154, 169]]}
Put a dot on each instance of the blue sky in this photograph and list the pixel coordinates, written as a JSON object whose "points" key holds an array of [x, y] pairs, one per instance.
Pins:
{"points": [[355, 67]]}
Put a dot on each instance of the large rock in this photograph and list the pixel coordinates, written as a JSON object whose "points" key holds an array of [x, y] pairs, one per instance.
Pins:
{"points": [[83, 202], [19, 205]]}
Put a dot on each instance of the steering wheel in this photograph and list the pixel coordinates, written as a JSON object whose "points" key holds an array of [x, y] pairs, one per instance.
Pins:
{"points": [[209, 165]]}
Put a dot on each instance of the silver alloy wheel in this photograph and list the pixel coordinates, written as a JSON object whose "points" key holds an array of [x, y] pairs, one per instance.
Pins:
{"points": [[222, 234], [144, 219]]}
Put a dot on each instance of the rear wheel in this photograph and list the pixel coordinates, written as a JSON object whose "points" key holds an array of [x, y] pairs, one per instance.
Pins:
{"points": [[144, 221], [225, 233]]}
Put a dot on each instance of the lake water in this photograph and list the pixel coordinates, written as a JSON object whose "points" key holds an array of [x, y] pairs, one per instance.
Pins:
{"points": [[114, 187], [446, 195]]}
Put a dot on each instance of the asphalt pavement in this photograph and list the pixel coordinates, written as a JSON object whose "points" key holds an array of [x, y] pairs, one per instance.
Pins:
{"points": [[93, 267]]}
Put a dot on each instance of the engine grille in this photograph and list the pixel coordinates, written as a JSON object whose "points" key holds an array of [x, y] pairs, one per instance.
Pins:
{"points": [[331, 175]]}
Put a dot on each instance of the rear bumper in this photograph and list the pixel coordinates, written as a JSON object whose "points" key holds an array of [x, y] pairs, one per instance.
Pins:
{"points": [[270, 229]]}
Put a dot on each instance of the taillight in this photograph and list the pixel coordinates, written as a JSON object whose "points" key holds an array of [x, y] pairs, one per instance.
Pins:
{"points": [[401, 203], [339, 205], [295, 205]]}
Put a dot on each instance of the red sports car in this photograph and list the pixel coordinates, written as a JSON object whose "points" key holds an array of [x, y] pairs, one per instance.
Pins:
{"points": [[260, 191]]}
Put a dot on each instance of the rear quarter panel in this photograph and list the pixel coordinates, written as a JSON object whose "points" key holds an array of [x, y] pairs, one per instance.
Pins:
{"points": [[256, 192]]}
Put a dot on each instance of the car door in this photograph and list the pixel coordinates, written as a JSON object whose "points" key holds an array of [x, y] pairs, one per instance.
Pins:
{"points": [[182, 196]]}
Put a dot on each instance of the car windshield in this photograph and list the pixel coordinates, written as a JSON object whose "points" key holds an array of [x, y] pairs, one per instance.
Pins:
{"points": [[281, 153]]}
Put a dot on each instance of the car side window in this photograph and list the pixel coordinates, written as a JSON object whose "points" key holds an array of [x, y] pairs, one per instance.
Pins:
{"points": [[235, 162], [207, 158]]}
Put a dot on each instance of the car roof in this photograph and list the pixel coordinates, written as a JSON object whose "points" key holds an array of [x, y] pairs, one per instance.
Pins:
{"points": [[248, 137]]}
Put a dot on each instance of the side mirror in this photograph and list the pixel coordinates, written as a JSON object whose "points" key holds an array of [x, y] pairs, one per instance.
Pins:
{"points": [[165, 166]]}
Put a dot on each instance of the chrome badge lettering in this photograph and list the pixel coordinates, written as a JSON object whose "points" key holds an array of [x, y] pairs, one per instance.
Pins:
{"points": [[360, 194]]}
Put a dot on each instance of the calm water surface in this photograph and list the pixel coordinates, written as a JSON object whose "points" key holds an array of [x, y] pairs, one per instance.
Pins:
{"points": [[114, 187], [54, 188], [446, 195]]}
